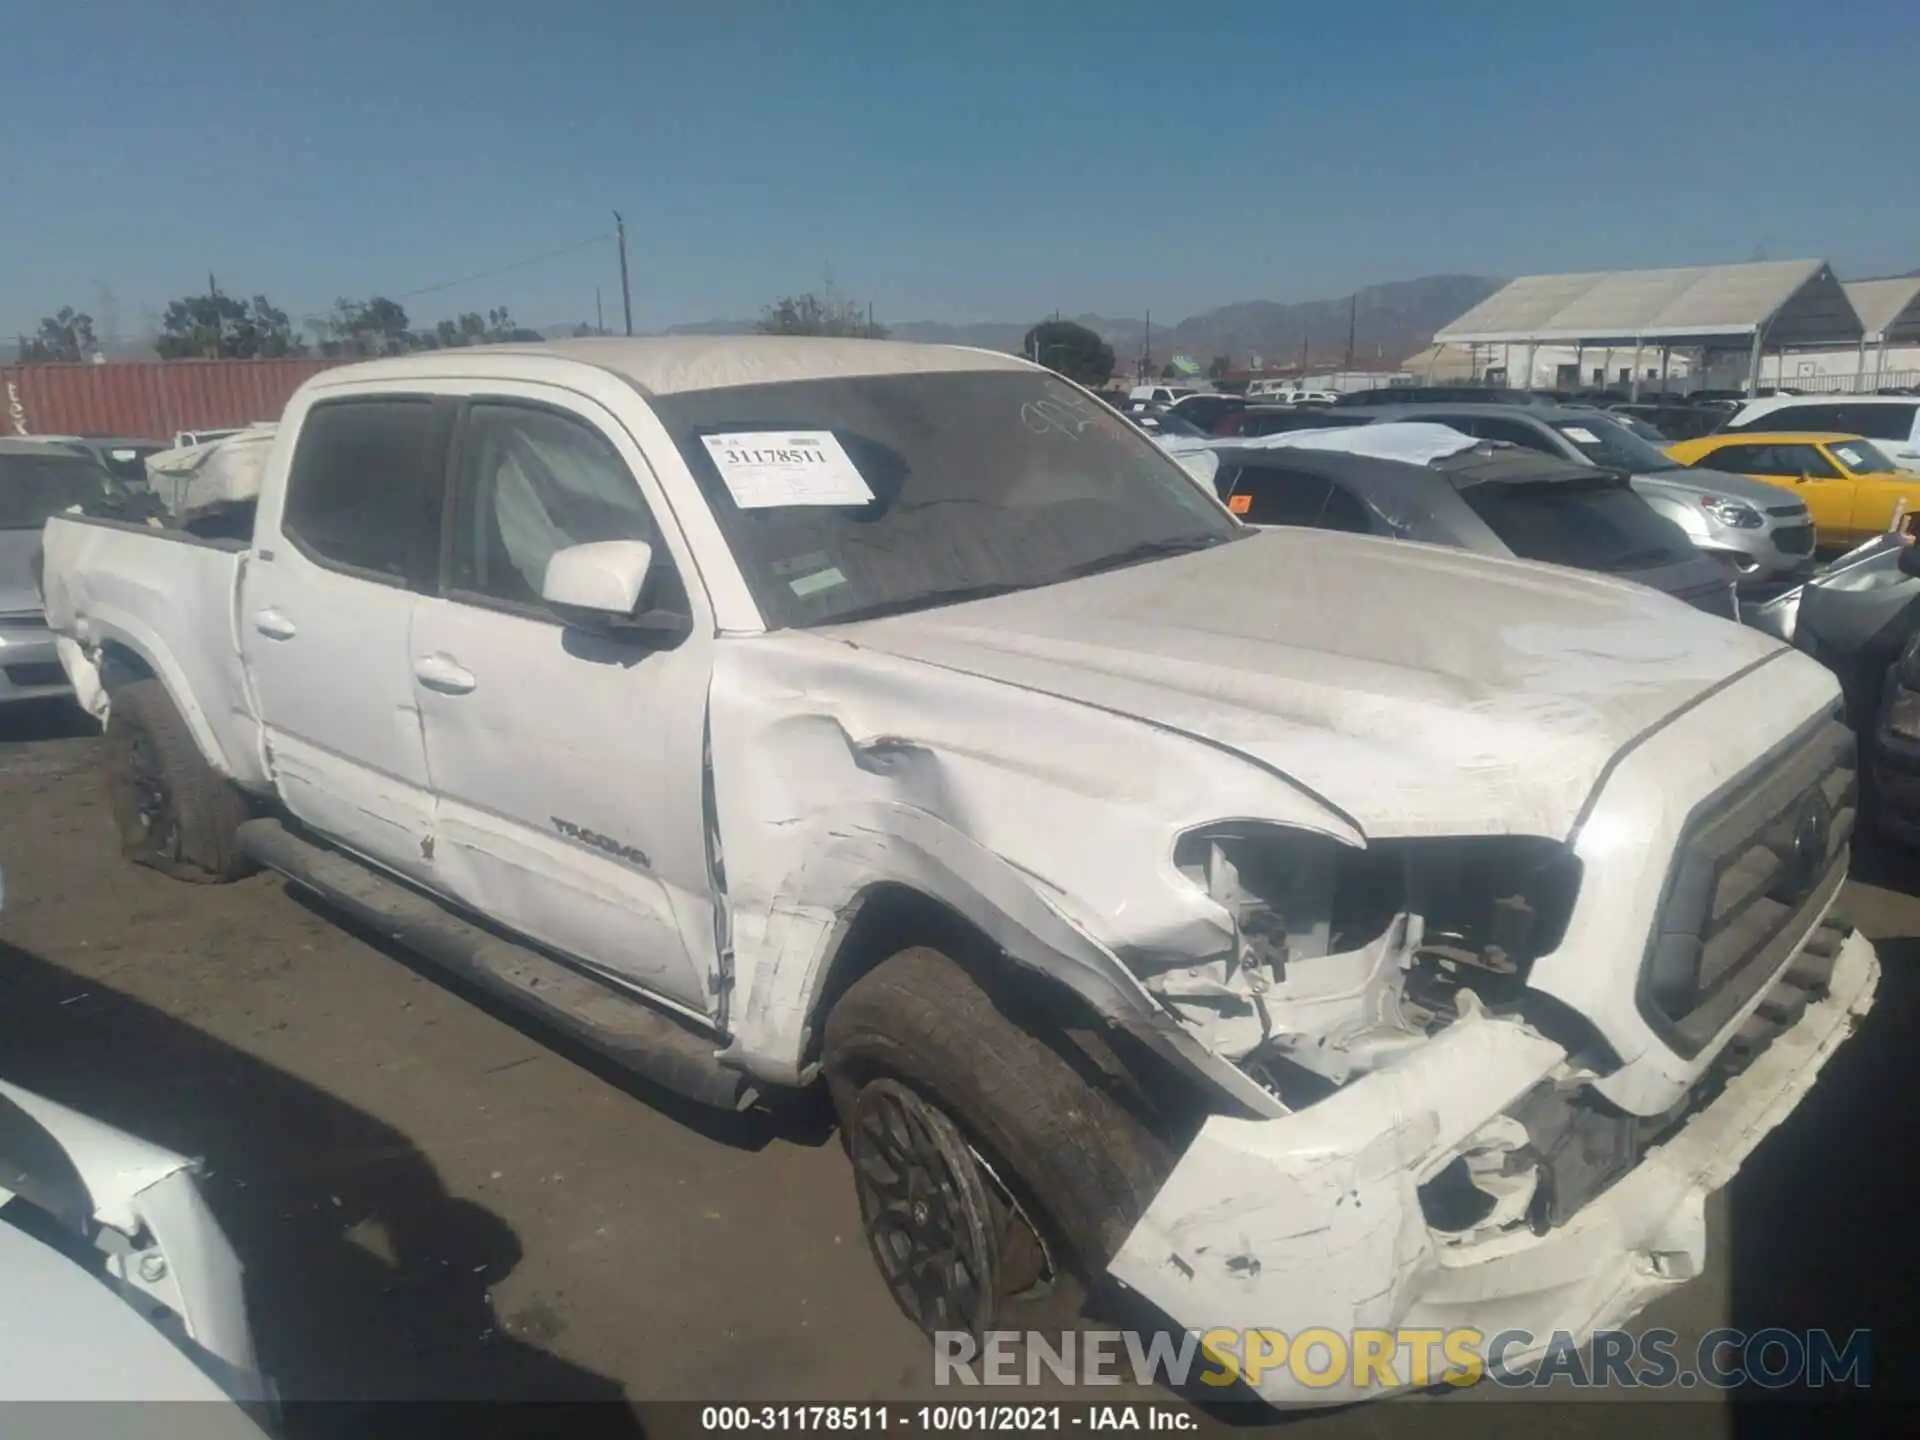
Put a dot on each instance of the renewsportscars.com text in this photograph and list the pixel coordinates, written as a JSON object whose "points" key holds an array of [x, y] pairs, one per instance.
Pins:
{"points": [[1390, 1359]]}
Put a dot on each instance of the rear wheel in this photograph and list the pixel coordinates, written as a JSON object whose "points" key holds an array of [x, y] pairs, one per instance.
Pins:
{"points": [[175, 813], [1000, 1157]]}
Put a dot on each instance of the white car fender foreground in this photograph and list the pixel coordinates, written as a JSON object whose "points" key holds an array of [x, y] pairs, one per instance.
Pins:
{"points": [[166, 1320], [1314, 1221]]}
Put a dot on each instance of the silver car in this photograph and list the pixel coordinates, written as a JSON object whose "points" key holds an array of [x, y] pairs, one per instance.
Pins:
{"points": [[37, 479], [1763, 531]]}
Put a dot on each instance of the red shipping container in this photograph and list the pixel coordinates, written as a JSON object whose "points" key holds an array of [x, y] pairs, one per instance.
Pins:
{"points": [[149, 399]]}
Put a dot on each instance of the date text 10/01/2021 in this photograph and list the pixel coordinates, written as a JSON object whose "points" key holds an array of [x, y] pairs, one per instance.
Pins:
{"points": [[945, 1419]]}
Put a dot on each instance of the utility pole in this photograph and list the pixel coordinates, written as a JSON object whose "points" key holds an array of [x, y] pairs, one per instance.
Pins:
{"points": [[626, 293], [1353, 317], [599, 315], [870, 320], [1146, 350]]}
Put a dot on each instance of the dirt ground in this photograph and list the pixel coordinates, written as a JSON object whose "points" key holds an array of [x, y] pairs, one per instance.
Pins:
{"points": [[435, 1201]]}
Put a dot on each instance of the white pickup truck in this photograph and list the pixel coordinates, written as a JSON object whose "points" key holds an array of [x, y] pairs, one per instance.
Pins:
{"points": [[1302, 929]]}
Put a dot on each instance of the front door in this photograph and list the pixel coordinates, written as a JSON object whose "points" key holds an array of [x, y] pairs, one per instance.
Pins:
{"points": [[568, 768], [327, 607]]}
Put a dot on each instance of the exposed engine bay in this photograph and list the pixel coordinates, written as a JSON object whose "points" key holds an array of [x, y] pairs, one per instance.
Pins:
{"points": [[1344, 958]]}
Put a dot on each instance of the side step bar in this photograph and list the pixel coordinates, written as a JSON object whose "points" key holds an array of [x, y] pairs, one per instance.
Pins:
{"points": [[628, 1031]]}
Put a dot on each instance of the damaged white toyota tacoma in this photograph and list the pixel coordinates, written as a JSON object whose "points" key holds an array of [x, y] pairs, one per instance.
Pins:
{"points": [[1303, 929]]}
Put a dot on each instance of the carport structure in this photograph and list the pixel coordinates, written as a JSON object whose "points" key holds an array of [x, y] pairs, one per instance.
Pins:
{"points": [[1889, 312], [1777, 304]]}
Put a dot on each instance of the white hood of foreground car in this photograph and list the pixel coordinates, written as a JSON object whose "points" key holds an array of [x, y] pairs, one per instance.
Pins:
{"points": [[1415, 689]]}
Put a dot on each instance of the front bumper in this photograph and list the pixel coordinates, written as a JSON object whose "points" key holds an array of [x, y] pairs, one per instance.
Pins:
{"points": [[29, 663], [1314, 1221]]}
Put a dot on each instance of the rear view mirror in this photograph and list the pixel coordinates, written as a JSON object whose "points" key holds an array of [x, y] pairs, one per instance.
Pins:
{"points": [[606, 576], [599, 588]]}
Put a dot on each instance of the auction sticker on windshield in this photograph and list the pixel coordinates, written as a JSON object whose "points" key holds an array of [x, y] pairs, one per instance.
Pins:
{"points": [[1581, 436], [766, 469]]}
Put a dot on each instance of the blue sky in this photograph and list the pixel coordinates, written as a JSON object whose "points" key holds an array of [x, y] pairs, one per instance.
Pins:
{"points": [[970, 161]]}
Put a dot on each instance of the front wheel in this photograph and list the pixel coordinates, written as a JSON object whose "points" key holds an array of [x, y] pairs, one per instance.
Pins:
{"points": [[999, 1162], [175, 813]]}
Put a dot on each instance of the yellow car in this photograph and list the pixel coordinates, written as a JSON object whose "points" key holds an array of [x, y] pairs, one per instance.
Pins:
{"points": [[1851, 489]]}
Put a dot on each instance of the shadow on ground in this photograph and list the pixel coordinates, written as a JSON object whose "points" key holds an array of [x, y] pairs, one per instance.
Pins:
{"points": [[1825, 1217], [366, 1279]]}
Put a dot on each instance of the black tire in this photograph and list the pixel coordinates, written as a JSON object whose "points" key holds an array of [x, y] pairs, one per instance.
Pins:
{"points": [[1071, 1146], [175, 813]]}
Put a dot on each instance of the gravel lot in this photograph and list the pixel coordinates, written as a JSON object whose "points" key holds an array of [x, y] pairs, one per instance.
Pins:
{"points": [[433, 1201]]}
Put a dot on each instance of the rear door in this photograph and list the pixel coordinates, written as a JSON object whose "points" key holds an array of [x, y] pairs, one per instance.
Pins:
{"points": [[326, 621]]}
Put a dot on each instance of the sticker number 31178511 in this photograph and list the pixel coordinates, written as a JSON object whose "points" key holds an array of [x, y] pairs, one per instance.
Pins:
{"points": [[764, 469]]}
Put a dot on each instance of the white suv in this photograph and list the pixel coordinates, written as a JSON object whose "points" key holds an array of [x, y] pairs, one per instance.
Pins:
{"points": [[1891, 421]]}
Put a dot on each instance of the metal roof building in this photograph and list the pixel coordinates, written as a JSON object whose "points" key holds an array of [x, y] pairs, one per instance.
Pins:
{"points": [[1778, 304], [1889, 310]]}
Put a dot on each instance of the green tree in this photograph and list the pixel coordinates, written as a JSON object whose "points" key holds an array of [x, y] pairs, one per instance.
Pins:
{"points": [[812, 314], [220, 327], [366, 328], [65, 336], [1073, 350], [472, 328]]}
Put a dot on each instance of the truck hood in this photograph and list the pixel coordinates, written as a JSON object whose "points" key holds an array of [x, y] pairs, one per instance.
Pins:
{"points": [[17, 590], [1411, 689]]}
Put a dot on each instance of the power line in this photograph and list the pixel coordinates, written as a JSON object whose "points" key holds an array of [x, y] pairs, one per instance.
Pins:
{"points": [[599, 239]]}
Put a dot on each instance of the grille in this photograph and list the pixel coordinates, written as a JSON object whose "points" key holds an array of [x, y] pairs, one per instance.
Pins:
{"points": [[1794, 539], [38, 673], [22, 620], [1757, 864], [1788, 512]]}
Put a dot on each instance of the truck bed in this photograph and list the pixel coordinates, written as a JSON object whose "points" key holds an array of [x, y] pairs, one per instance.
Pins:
{"points": [[163, 601]]}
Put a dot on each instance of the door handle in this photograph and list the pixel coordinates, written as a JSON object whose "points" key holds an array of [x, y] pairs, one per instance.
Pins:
{"points": [[437, 672], [275, 626]]}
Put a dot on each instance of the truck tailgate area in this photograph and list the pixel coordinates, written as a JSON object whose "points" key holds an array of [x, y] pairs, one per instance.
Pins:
{"points": [[163, 600]]}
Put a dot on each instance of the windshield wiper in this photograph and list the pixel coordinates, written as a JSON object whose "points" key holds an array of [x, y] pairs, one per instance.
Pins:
{"points": [[1146, 550], [930, 599]]}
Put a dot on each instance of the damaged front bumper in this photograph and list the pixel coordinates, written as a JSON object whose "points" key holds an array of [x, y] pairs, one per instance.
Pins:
{"points": [[1316, 1222]]}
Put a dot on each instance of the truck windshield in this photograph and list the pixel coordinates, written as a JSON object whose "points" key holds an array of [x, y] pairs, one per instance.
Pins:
{"points": [[32, 487], [1590, 525], [849, 498], [1609, 444]]}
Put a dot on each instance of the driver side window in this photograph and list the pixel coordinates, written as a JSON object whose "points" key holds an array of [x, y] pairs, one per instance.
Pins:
{"points": [[530, 482]]}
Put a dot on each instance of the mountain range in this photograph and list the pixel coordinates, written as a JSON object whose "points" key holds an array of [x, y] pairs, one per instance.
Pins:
{"points": [[1389, 323]]}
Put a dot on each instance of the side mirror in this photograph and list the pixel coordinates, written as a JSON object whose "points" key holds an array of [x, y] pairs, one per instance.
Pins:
{"points": [[598, 588], [1909, 561]]}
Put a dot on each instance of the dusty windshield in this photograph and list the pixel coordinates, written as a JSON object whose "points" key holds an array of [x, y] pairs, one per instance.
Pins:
{"points": [[1614, 447], [850, 498], [32, 487]]}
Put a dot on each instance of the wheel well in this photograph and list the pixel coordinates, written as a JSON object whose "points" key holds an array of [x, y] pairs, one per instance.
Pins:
{"points": [[120, 664], [891, 918]]}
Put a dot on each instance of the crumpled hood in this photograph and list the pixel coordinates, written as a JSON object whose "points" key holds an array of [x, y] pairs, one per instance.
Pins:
{"points": [[17, 590], [1415, 689]]}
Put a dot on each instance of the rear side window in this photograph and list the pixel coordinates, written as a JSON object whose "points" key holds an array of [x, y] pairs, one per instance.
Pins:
{"points": [[1271, 495], [1877, 422], [1590, 526], [363, 487]]}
